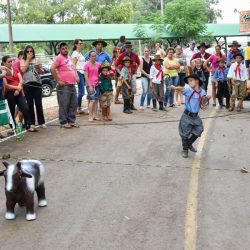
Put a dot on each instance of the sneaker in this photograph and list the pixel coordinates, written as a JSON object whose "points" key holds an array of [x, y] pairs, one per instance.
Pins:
{"points": [[148, 107], [141, 108], [155, 109]]}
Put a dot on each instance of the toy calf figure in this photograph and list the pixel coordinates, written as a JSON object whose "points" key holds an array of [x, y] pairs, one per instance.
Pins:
{"points": [[21, 182]]}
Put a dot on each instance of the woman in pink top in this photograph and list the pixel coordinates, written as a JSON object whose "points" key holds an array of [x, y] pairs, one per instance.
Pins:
{"points": [[214, 59], [91, 73]]}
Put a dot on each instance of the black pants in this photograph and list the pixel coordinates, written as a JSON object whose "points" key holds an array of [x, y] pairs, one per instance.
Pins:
{"points": [[21, 103], [1, 94], [223, 91], [207, 74], [33, 93]]}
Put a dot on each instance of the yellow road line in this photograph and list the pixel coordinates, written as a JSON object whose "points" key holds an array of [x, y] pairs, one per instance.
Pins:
{"points": [[191, 209]]}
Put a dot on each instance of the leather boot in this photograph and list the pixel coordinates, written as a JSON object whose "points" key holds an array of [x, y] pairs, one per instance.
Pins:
{"points": [[191, 140], [161, 107], [132, 107], [232, 105], [240, 104], [108, 114], [104, 114], [127, 106], [154, 105], [185, 148]]}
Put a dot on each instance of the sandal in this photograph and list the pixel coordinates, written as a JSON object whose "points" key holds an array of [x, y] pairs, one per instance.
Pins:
{"points": [[66, 126], [118, 102], [74, 125], [32, 129], [44, 126]]}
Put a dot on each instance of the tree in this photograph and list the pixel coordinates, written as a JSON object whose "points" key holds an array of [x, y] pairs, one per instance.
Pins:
{"points": [[188, 21]]}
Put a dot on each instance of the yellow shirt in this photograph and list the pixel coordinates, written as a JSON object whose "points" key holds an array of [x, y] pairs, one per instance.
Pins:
{"points": [[247, 53], [171, 72]]}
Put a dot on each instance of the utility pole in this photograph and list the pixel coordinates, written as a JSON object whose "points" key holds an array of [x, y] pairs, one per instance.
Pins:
{"points": [[10, 27], [162, 7]]}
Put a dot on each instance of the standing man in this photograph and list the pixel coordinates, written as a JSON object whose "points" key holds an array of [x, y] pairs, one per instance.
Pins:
{"points": [[234, 49], [101, 55], [66, 76], [117, 51], [188, 53], [203, 55], [135, 63]]}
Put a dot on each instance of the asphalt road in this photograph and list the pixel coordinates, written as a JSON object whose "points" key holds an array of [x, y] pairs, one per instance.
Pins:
{"points": [[125, 186]]}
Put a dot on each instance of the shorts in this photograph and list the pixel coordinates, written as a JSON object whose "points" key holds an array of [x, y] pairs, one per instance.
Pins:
{"points": [[93, 96], [119, 82], [106, 98], [181, 82]]}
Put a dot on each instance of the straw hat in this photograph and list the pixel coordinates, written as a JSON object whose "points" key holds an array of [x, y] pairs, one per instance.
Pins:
{"points": [[157, 57], [105, 65]]}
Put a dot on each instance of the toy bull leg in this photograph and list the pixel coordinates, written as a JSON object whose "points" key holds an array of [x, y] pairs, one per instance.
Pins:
{"points": [[10, 209]]}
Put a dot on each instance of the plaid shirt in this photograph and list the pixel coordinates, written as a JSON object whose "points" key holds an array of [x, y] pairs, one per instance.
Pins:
{"points": [[119, 49]]}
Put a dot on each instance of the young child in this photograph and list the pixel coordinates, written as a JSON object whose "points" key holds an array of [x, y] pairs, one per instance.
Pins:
{"points": [[156, 83], [239, 76], [200, 70], [126, 84], [106, 90], [191, 127], [220, 76]]}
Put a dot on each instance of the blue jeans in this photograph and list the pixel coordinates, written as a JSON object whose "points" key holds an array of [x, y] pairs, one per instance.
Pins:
{"points": [[169, 93], [81, 90], [145, 91]]}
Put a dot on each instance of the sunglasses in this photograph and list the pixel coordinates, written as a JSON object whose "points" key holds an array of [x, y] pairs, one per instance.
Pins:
{"points": [[29, 51]]}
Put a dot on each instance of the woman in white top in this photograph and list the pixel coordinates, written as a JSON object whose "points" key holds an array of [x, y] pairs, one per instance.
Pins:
{"points": [[78, 62]]}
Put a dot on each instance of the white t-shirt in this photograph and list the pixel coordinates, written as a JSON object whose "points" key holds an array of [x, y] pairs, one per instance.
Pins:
{"points": [[80, 61], [189, 54]]}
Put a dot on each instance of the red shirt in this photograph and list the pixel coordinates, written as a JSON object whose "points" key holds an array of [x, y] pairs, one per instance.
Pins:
{"points": [[135, 61], [12, 80]]}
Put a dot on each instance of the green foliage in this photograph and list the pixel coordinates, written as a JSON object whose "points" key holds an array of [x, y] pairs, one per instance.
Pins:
{"points": [[188, 20]]}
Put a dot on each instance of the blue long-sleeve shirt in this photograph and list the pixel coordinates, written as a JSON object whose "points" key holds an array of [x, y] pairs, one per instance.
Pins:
{"points": [[100, 57], [221, 76]]}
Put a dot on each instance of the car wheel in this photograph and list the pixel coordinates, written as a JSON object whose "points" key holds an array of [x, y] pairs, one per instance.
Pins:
{"points": [[46, 90]]}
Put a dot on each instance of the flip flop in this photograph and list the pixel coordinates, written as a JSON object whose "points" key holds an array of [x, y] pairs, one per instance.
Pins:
{"points": [[74, 125], [67, 126], [33, 130]]}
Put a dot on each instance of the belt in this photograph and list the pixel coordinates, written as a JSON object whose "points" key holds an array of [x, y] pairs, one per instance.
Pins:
{"points": [[190, 113]]}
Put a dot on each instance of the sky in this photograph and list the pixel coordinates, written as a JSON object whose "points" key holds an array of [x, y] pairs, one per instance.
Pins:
{"points": [[228, 7]]}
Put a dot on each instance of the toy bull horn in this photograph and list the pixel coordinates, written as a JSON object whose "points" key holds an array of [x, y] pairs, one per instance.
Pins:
{"points": [[21, 182]]}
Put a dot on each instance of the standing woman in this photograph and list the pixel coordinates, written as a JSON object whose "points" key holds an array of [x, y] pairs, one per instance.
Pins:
{"points": [[13, 85], [181, 72], [145, 65], [214, 60], [78, 62], [31, 68], [91, 73]]}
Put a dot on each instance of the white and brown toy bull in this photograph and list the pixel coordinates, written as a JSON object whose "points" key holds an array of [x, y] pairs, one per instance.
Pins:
{"points": [[21, 182]]}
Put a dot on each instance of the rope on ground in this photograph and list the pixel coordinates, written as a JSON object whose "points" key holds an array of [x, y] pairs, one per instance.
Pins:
{"points": [[78, 161]]}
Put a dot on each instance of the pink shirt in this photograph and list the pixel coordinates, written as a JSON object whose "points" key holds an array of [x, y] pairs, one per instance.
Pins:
{"points": [[93, 72], [214, 60], [65, 69], [16, 64]]}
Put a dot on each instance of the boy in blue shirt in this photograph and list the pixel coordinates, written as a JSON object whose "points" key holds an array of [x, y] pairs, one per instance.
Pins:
{"points": [[220, 76], [191, 126]]}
